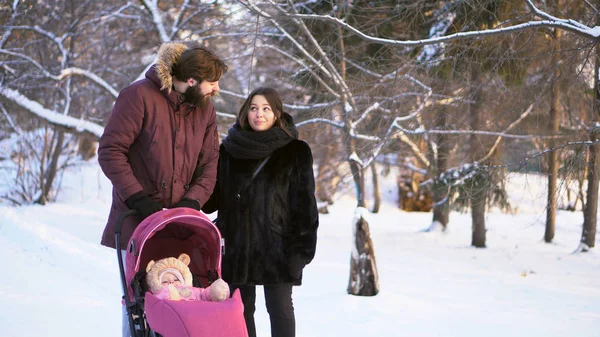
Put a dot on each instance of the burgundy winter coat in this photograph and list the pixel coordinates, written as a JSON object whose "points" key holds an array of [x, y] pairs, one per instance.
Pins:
{"points": [[152, 142]]}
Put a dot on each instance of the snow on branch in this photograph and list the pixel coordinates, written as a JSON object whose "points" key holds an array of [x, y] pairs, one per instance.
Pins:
{"points": [[461, 173], [579, 29], [475, 132], [152, 6], [417, 110], [438, 29], [118, 13], [32, 61], [12, 19], [90, 75], [58, 40], [226, 115], [365, 114], [51, 116], [314, 106], [547, 16], [65, 72], [297, 107], [174, 28], [321, 120]]}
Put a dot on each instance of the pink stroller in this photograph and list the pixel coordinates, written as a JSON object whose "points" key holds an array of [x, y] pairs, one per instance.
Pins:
{"points": [[168, 233]]}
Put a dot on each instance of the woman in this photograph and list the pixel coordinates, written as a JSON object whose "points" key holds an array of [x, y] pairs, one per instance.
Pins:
{"points": [[267, 209]]}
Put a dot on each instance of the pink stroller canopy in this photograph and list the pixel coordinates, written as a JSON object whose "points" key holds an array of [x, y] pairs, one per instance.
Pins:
{"points": [[171, 232]]}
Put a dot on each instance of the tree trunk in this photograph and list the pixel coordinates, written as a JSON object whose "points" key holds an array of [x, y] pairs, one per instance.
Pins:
{"points": [[326, 173], [376, 189], [581, 181], [42, 198], [478, 198], [441, 210], [552, 179], [553, 160], [478, 216], [588, 236], [53, 165], [364, 278], [359, 180]]}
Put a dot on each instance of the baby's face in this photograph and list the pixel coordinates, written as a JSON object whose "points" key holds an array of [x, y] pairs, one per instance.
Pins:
{"points": [[169, 278]]}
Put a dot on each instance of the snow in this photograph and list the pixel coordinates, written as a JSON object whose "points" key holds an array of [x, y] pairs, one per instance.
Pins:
{"points": [[58, 281], [50, 115], [438, 29], [594, 31]]}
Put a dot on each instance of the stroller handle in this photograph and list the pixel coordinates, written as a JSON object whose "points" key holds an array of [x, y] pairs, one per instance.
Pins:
{"points": [[121, 219]]}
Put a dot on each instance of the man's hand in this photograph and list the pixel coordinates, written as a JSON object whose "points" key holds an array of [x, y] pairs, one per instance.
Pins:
{"points": [[189, 203], [143, 204]]}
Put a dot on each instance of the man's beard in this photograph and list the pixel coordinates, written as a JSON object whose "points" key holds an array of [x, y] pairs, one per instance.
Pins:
{"points": [[194, 96]]}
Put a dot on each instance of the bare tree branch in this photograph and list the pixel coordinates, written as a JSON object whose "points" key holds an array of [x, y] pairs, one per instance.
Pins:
{"points": [[587, 32], [56, 39], [304, 66], [174, 28], [90, 75], [513, 124], [152, 6]]}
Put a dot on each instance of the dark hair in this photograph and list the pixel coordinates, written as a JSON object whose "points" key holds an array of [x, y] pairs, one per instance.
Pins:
{"points": [[275, 102], [199, 63]]}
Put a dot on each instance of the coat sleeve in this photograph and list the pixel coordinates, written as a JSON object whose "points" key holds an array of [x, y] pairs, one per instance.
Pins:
{"points": [[305, 216], [205, 174], [123, 127], [212, 204]]}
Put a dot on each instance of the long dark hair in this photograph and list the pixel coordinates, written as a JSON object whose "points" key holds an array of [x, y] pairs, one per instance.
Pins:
{"points": [[275, 102]]}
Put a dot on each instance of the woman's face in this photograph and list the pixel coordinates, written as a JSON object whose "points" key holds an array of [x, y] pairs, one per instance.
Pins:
{"points": [[261, 117]]}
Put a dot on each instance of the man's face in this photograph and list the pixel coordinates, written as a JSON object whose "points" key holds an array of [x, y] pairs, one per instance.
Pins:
{"points": [[199, 94]]}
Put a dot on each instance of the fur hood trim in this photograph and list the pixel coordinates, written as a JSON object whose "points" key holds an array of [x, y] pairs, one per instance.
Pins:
{"points": [[155, 270], [168, 54]]}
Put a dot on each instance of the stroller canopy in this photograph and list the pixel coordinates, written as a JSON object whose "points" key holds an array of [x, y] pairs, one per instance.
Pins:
{"points": [[171, 232]]}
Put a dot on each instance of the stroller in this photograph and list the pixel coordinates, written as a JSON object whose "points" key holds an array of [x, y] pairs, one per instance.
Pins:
{"points": [[171, 232]]}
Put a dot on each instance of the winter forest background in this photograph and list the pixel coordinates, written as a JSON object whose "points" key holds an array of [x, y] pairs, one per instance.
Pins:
{"points": [[446, 100]]}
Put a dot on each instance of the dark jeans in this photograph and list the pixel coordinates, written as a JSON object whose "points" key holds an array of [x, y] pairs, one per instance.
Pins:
{"points": [[278, 299]]}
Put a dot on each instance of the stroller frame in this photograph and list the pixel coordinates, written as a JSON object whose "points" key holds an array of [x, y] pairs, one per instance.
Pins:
{"points": [[133, 292], [137, 324]]}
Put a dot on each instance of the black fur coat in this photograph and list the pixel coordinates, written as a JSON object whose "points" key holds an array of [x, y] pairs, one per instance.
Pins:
{"points": [[270, 222]]}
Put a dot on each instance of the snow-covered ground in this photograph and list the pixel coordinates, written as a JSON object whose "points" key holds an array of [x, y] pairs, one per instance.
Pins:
{"points": [[58, 281]]}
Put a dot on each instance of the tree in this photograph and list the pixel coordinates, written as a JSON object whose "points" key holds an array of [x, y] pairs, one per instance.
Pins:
{"points": [[363, 70], [63, 63], [553, 121], [590, 212]]}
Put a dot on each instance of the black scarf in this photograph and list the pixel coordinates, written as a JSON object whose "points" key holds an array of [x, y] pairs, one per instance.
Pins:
{"points": [[250, 144]]}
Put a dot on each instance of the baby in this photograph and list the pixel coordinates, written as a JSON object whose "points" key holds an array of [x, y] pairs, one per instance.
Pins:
{"points": [[170, 278]]}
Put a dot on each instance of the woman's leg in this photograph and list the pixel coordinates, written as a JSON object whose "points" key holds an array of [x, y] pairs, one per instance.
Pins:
{"points": [[249, 299], [278, 298]]}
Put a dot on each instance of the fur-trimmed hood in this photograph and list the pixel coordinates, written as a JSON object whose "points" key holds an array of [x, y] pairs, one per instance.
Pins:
{"points": [[168, 54], [155, 271]]}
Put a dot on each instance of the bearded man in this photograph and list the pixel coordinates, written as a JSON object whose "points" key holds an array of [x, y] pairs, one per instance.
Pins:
{"points": [[162, 128]]}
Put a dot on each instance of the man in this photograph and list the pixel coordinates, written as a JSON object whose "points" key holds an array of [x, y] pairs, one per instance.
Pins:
{"points": [[162, 129]]}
